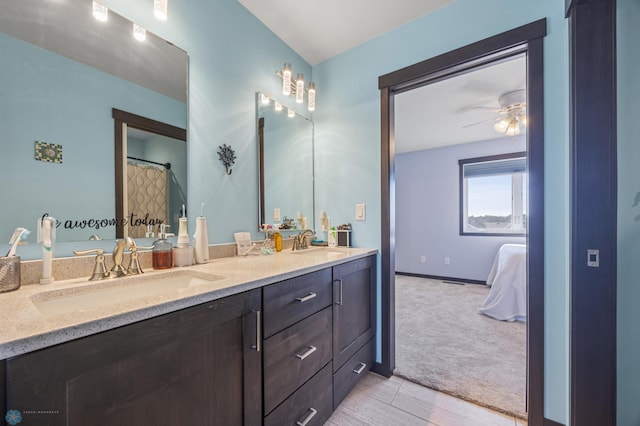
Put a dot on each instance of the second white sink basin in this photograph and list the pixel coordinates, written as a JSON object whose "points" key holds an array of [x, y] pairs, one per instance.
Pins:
{"points": [[321, 251], [117, 290]]}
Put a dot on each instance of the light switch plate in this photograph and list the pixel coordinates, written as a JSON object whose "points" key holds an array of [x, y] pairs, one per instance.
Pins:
{"points": [[360, 211], [276, 215]]}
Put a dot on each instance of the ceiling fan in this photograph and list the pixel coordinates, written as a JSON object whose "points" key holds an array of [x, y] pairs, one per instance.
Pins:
{"points": [[511, 118]]}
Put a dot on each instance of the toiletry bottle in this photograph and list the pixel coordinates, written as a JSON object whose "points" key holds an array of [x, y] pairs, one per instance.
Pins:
{"points": [[162, 251], [277, 241], [332, 237], [201, 240], [183, 252]]}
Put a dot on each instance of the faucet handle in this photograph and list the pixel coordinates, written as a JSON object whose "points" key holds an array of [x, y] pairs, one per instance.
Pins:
{"points": [[99, 268], [134, 267]]}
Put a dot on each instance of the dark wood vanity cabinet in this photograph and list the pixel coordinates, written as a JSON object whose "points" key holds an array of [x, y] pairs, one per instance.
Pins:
{"points": [[354, 323], [286, 353], [298, 350], [197, 366]]}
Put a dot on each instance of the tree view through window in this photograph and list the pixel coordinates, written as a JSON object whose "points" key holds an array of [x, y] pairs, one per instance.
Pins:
{"points": [[494, 195]]}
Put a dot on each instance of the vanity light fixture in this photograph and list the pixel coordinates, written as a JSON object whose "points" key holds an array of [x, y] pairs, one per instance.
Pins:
{"points": [[264, 98], [291, 113], [297, 87], [139, 33], [311, 98], [286, 79], [160, 9], [278, 106], [100, 12]]}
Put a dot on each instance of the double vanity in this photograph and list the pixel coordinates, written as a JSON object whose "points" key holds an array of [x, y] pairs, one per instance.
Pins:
{"points": [[274, 340]]}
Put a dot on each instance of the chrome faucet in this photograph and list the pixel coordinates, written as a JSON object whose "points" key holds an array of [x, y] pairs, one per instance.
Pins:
{"points": [[300, 240]]}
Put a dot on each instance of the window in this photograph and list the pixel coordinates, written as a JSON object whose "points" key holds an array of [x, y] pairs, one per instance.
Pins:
{"points": [[493, 195]]}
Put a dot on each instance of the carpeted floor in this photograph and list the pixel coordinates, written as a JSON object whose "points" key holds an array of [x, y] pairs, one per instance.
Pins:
{"points": [[442, 342]]}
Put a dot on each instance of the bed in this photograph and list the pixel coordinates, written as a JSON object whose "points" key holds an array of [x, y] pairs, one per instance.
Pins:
{"points": [[507, 299]]}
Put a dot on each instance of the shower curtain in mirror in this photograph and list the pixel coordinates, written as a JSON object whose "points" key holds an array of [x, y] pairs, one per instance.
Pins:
{"points": [[147, 193]]}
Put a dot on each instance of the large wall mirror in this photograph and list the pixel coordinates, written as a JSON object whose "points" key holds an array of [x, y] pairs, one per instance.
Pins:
{"points": [[63, 73], [285, 142]]}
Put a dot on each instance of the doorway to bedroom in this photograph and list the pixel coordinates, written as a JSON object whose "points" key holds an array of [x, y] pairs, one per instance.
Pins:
{"points": [[448, 222], [461, 198]]}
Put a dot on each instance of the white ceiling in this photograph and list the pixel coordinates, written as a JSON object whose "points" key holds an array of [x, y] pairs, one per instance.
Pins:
{"points": [[320, 29], [436, 115]]}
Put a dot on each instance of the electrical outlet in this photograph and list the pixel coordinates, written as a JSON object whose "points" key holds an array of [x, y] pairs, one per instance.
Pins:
{"points": [[447, 261], [423, 259]]}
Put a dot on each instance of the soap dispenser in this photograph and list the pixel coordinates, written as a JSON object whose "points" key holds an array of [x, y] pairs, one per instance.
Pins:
{"points": [[162, 250]]}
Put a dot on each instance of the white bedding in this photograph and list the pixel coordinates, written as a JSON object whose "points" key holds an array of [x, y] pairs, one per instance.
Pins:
{"points": [[507, 299]]}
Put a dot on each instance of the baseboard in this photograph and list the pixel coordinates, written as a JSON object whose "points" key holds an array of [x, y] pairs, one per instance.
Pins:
{"points": [[547, 422], [436, 277]]}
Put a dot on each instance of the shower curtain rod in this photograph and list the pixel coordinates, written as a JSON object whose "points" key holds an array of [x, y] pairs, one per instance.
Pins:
{"points": [[165, 165]]}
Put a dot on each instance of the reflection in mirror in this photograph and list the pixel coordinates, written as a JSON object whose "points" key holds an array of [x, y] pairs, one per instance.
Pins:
{"points": [[286, 164], [62, 74], [151, 175]]}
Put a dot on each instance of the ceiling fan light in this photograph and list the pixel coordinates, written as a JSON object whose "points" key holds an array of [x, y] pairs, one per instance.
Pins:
{"points": [[502, 125], [513, 128], [523, 119]]}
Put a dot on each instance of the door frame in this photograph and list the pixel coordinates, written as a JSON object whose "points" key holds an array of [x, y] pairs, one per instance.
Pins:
{"points": [[527, 38]]}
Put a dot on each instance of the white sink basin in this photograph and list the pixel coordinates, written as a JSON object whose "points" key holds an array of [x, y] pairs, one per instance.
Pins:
{"points": [[117, 290], [321, 251]]}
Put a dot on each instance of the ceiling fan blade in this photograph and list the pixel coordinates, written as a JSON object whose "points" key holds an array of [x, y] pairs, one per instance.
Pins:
{"points": [[481, 107], [494, 119]]}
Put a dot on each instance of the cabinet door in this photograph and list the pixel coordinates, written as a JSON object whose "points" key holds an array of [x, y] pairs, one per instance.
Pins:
{"points": [[354, 308], [194, 366]]}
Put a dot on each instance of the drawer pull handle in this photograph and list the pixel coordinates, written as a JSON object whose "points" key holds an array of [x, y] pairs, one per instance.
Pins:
{"points": [[306, 353], [360, 368], [308, 418], [339, 302], [307, 297], [258, 335]]}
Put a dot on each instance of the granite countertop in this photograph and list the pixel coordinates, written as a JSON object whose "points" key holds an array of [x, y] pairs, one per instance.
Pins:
{"points": [[26, 328]]}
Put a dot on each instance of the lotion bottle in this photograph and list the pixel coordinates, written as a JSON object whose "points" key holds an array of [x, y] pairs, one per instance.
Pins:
{"points": [[183, 252], [162, 251]]}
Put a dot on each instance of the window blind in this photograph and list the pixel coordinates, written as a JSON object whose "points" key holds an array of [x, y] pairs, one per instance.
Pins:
{"points": [[497, 167]]}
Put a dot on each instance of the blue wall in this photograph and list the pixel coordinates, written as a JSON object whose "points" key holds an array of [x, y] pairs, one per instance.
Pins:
{"points": [[428, 212], [348, 140], [628, 216]]}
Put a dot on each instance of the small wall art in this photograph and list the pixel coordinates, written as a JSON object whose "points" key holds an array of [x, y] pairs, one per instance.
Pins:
{"points": [[228, 157], [49, 152]]}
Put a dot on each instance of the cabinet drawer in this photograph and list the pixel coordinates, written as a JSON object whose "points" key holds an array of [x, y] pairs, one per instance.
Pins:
{"points": [[310, 403], [352, 371], [287, 302], [294, 355]]}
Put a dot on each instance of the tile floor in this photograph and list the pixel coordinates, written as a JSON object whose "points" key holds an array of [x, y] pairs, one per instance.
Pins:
{"points": [[397, 402]]}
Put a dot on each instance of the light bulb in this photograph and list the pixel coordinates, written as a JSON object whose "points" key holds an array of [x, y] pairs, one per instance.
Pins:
{"points": [[286, 79], [265, 99], [139, 33], [514, 128], [100, 12], [291, 113], [300, 89], [160, 9], [311, 100], [502, 125], [523, 119], [278, 106]]}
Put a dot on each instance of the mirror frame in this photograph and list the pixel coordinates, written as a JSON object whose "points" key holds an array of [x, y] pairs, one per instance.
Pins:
{"points": [[122, 119]]}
